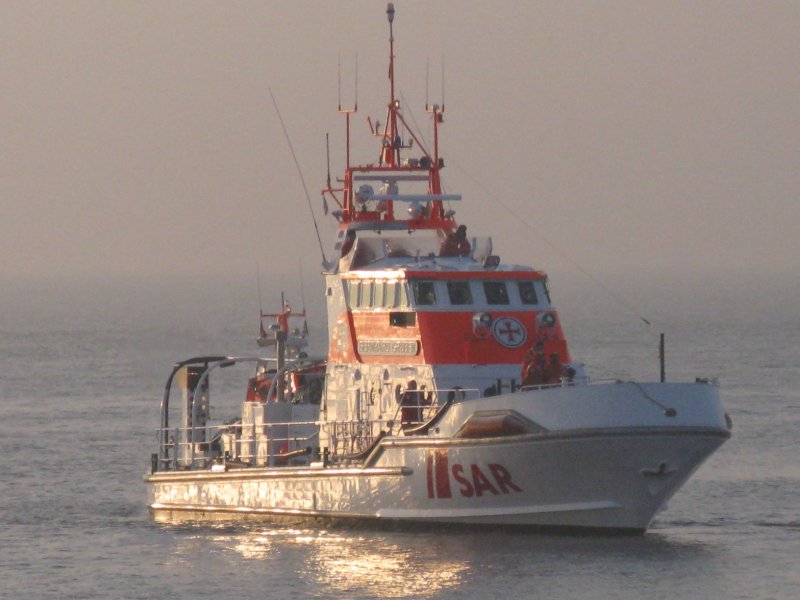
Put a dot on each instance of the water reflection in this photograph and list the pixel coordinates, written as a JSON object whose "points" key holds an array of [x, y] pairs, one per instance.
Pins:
{"points": [[363, 564], [386, 569]]}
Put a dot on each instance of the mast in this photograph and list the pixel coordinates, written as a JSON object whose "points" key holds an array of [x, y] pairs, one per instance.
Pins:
{"points": [[369, 193], [391, 142]]}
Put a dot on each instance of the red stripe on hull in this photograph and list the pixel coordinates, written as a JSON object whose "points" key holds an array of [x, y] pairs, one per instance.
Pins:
{"points": [[431, 493], [442, 475]]}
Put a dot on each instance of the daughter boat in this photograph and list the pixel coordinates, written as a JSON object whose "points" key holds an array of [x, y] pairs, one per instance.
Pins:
{"points": [[448, 395]]}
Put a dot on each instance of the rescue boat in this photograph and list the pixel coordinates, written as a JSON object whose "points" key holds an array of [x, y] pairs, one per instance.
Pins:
{"points": [[448, 394]]}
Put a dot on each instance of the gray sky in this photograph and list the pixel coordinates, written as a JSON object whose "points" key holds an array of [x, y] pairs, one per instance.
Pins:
{"points": [[139, 139]]}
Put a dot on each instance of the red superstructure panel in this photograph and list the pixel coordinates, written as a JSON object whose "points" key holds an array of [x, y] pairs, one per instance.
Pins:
{"points": [[373, 327], [448, 338], [443, 338]]}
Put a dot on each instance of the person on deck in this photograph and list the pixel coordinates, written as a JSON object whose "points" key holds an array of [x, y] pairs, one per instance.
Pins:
{"points": [[411, 405], [456, 243], [554, 369], [534, 366]]}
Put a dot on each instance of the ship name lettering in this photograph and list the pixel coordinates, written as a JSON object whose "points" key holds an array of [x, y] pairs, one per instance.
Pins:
{"points": [[388, 347]]}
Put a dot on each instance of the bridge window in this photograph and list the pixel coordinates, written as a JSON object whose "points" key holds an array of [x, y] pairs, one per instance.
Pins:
{"points": [[380, 293], [368, 294], [390, 298], [353, 293], [527, 292], [424, 293], [459, 292], [496, 292], [403, 294]]}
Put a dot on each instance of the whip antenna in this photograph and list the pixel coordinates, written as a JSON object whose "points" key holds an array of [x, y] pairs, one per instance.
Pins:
{"points": [[328, 156], [355, 100], [442, 82], [258, 284], [427, 72], [299, 172], [302, 286], [261, 331]]}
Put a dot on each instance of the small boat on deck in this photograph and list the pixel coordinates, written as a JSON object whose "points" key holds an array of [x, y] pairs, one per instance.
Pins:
{"points": [[448, 395]]}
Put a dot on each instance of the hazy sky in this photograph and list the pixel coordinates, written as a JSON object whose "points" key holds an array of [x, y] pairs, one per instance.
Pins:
{"points": [[139, 138]]}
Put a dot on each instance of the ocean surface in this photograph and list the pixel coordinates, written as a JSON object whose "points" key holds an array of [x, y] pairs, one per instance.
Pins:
{"points": [[83, 366]]}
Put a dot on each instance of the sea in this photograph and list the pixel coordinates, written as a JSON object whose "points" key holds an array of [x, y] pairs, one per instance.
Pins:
{"points": [[82, 370]]}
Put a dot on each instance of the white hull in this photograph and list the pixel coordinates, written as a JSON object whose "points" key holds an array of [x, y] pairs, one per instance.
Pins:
{"points": [[613, 470]]}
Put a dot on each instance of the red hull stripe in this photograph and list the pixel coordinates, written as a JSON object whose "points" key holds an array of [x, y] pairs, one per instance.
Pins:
{"points": [[442, 475], [430, 475]]}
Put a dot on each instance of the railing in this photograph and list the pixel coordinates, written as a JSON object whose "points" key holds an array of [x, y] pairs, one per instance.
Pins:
{"points": [[244, 444], [428, 402], [254, 444], [267, 444], [209, 364], [563, 382], [346, 438]]}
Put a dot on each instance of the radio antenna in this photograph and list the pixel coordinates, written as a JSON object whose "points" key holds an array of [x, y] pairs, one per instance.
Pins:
{"points": [[442, 82], [427, 77], [328, 156], [261, 331], [302, 286], [355, 100]]}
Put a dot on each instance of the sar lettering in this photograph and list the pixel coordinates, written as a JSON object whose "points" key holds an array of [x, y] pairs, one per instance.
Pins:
{"points": [[476, 482]]}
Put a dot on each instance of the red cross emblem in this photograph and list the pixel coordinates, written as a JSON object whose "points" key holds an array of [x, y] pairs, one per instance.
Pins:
{"points": [[509, 332]]}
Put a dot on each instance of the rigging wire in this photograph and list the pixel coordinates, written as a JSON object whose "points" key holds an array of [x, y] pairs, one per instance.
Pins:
{"points": [[522, 219], [525, 222], [556, 249], [407, 107], [299, 172]]}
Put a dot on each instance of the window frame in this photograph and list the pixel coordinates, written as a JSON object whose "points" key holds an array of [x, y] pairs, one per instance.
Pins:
{"points": [[458, 285], [501, 285]]}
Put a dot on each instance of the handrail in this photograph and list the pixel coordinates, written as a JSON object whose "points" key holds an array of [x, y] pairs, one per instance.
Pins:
{"points": [[246, 435], [229, 361], [214, 361], [367, 451], [165, 399], [294, 453], [452, 397], [424, 427]]}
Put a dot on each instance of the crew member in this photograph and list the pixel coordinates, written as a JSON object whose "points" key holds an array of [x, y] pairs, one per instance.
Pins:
{"points": [[534, 366], [554, 369], [411, 405], [456, 243]]}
